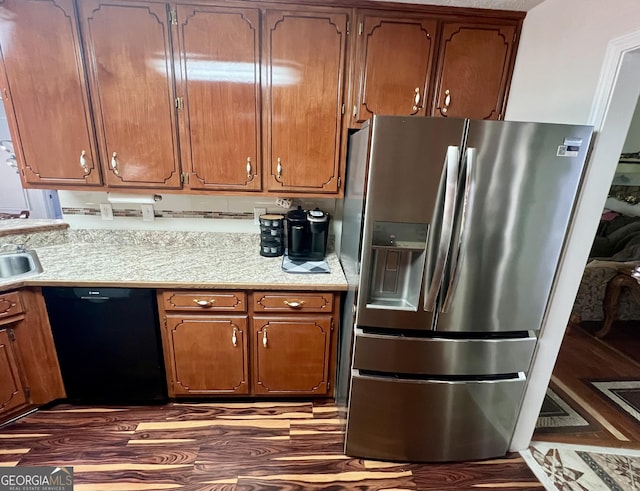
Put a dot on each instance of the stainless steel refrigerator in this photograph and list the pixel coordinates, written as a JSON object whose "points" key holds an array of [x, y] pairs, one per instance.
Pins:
{"points": [[452, 233]]}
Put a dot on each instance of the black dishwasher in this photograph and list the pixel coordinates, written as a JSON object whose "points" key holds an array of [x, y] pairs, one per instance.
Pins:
{"points": [[108, 344]]}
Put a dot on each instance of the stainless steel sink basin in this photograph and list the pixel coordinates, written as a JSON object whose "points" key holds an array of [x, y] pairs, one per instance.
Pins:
{"points": [[18, 264]]}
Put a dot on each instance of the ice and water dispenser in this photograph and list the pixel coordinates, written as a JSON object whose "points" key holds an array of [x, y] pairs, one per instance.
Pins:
{"points": [[397, 265]]}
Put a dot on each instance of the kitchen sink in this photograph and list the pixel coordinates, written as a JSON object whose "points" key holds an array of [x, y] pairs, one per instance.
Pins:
{"points": [[18, 264]]}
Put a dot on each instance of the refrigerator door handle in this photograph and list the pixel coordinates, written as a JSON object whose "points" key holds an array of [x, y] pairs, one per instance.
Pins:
{"points": [[458, 252], [450, 191]]}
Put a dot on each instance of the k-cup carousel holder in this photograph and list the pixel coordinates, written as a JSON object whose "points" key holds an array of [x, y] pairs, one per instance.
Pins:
{"points": [[271, 235]]}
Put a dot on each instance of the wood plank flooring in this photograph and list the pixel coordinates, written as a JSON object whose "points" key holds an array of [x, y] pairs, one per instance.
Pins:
{"points": [[228, 446], [584, 357]]}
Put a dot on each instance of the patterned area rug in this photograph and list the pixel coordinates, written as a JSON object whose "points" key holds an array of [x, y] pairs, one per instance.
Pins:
{"points": [[564, 467], [559, 414], [625, 394]]}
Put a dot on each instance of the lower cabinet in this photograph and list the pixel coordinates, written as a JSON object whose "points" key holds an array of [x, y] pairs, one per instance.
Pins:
{"points": [[12, 392], [223, 343], [291, 355], [208, 355], [29, 370]]}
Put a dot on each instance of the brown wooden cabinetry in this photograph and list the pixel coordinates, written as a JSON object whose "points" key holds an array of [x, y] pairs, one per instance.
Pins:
{"points": [[128, 50], [277, 343], [12, 392], [475, 61], [29, 369], [292, 354], [205, 354], [219, 52], [305, 55], [393, 64], [45, 95]]}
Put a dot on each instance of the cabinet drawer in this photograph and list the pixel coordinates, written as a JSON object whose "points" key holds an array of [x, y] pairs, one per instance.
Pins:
{"points": [[292, 302], [205, 301], [10, 304]]}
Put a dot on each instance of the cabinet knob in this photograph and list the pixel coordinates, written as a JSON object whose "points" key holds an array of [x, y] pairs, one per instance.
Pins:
{"points": [[114, 163], [416, 100], [264, 337], [294, 304], [204, 303], [234, 338], [83, 161], [279, 169], [447, 101]]}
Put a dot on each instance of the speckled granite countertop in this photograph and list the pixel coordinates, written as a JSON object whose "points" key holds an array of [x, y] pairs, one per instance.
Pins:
{"points": [[168, 260]]}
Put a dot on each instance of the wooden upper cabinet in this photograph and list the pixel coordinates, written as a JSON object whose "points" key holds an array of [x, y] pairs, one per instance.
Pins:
{"points": [[45, 93], [128, 50], [219, 52], [394, 60], [304, 57], [475, 64]]}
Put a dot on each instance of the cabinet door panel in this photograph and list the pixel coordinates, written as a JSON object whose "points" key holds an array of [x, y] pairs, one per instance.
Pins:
{"points": [[394, 59], [128, 48], [305, 59], [474, 70], [45, 93], [220, 127], [11, 391], [291, 355], [208, 354]]}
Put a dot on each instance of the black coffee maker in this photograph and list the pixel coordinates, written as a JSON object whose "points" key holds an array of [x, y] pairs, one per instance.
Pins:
{"points": [[307, 232]]}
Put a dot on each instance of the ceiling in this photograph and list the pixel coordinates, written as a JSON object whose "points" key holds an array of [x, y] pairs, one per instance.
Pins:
{"points": [[524, 5]]}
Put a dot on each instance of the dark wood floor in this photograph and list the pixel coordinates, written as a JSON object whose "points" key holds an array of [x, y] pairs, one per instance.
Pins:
{"points": [[283, 446], [583, 357], [227, 446]]}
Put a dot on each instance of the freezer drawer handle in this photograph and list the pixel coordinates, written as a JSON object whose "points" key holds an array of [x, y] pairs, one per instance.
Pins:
{"points": [[451, 169], [458, 253]]}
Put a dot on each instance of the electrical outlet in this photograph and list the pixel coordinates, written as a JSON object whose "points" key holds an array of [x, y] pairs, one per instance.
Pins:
{"points": [[256, 214], [106, 211], [147, 213]]}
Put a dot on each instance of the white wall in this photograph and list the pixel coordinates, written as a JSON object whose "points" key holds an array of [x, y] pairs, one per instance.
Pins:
{"points": [[561, 51], [558, 74], [632, 143]]}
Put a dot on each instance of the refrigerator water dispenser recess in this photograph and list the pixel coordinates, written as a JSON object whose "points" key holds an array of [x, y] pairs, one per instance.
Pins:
{"points": [[398, 255]]}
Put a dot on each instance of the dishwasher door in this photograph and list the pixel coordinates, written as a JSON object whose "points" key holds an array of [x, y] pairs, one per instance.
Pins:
{"points": [[108, 344]]}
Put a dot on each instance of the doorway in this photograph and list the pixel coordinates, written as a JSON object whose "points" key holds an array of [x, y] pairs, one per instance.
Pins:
{"points": [[611, 114]]}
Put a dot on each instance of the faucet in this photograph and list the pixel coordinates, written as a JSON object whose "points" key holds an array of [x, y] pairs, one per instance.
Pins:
{"points": [[15, 247]]}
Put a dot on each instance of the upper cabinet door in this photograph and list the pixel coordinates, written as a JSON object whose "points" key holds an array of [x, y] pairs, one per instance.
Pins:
{"points": [[475, 65], [394, 58], [219, 51], [45, 93], [128, 50], [304, 67]]}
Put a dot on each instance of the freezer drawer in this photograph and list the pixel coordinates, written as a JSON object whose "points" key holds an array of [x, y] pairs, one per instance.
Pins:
{"points": [[406, 420], [442, 356]]}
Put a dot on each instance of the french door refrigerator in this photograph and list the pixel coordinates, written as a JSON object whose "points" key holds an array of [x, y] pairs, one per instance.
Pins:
{"points": [[452, 233]]}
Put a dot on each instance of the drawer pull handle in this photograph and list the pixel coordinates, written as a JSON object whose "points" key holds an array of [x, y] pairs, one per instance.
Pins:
{"points": [[204, 303], [264, 337], [234, 338], [279, 169], [294, 304], [249, 175]]}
